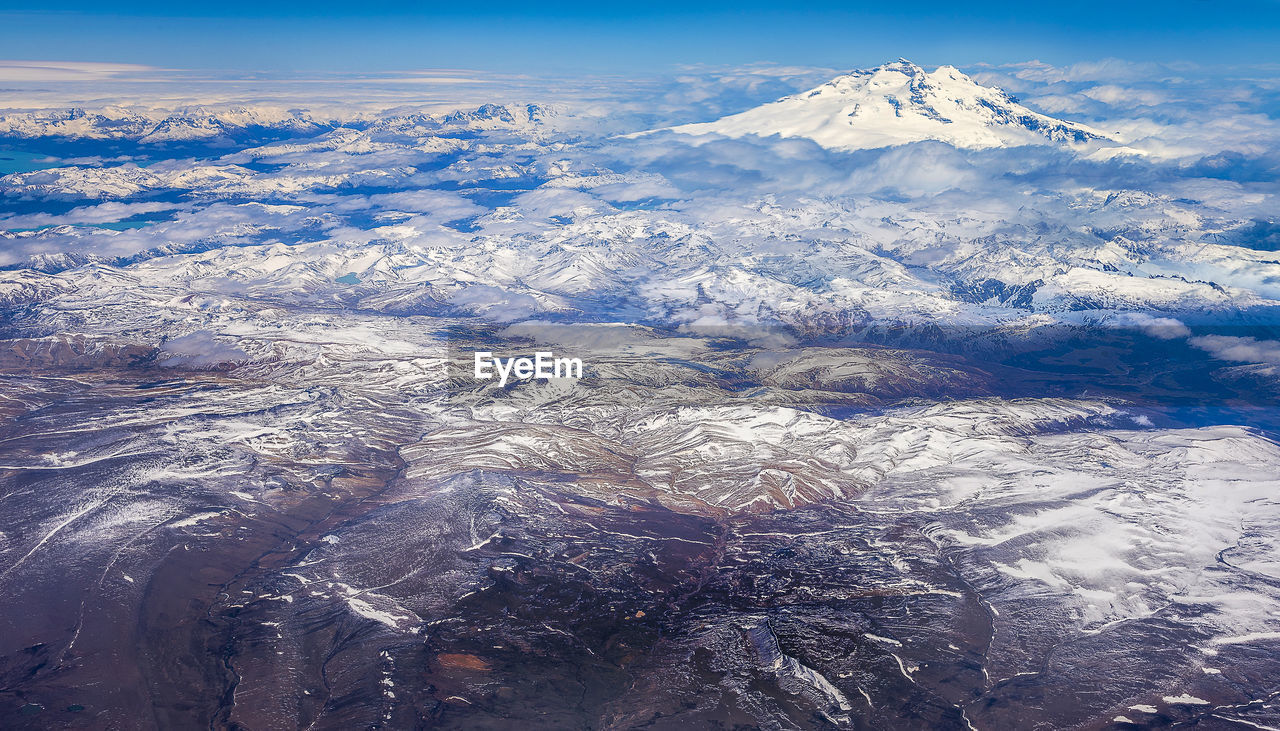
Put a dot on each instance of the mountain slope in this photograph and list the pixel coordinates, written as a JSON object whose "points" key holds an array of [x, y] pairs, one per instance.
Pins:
{"points": [[898, 103]]}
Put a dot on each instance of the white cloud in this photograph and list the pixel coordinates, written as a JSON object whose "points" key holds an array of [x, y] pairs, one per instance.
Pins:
{"points": [[1125, 95], [917, 169], [200, 349], [1107, 69], [1164, 328], [1057, 103], [1241, 350], [108, 212], [67, 70]]}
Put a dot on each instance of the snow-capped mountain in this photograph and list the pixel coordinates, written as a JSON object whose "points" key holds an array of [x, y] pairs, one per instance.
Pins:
{"points": [[898, 103], [108, 123], [499, 116], [191, 123], [204, 124]]}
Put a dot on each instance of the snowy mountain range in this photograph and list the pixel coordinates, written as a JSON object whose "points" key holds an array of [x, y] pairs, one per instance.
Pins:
{"points": [[898, 103], [245, 122], [193, 123], [912, 438], [893, 104]]}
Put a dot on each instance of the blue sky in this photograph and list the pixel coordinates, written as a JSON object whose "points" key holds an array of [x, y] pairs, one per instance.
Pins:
{"points": [[627, 37]]}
